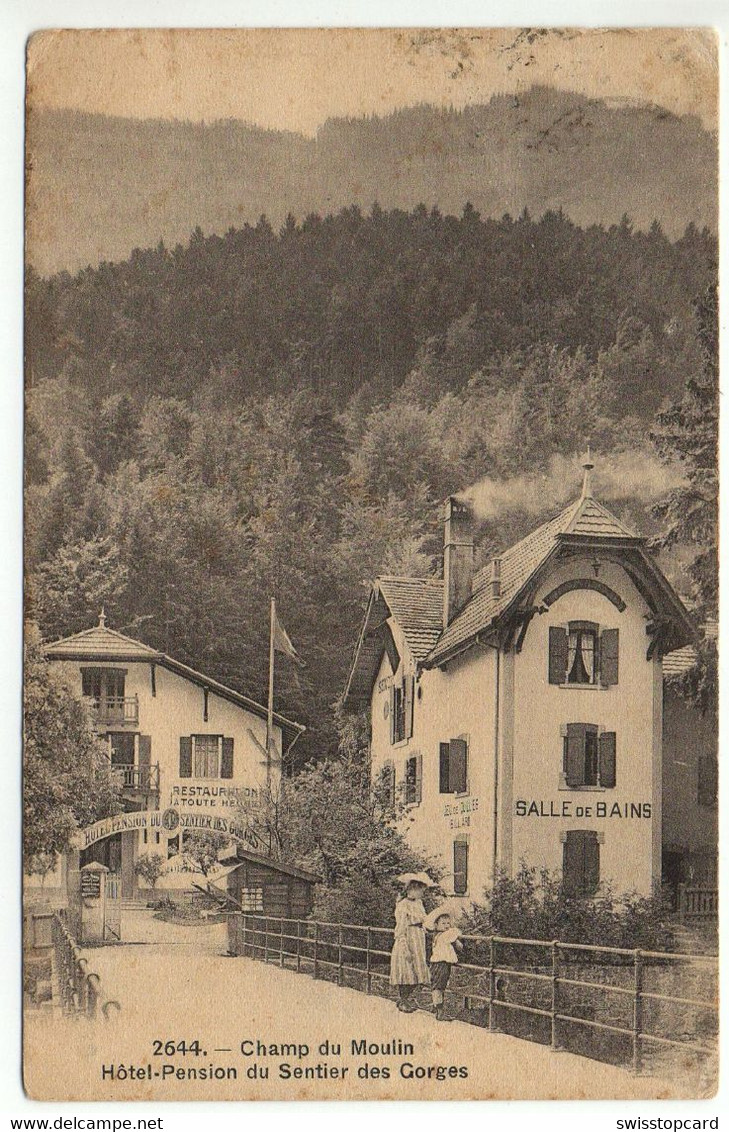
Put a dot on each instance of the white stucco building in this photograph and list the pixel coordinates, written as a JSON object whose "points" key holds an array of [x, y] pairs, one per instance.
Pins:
{"points": [[517, 710], [179, 740]]}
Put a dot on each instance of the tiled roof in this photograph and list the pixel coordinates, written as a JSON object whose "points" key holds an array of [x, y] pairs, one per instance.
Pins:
{"points": [[585, 517], [680, 661], [417, 606], [100, 642]]}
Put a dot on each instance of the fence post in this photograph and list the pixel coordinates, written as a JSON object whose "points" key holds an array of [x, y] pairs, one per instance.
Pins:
{"points": [[492, 984], [368, 945], [555, 992], [265, 939], [298, 945], [637, 1011], [681, 902], [340, 971], [281, 946], [316, 949]]}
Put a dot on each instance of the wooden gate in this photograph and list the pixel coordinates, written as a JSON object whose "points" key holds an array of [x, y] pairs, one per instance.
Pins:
{"points": [[112, 928]]}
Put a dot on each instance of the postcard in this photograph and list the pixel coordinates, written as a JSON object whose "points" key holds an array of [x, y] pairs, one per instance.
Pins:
{"points": [[371, 482]]}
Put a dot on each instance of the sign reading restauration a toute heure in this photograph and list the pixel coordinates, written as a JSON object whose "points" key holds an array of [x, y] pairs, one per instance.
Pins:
{"points": [[171, 821]]}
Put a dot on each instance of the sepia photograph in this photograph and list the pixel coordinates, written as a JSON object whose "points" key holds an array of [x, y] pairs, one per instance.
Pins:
{"points": [[370, 706]]}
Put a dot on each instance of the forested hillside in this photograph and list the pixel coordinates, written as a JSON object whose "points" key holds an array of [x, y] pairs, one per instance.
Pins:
{"points": [[99, 186], [283, 413]]}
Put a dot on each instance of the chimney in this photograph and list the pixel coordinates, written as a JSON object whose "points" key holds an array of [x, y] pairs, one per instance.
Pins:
{"points": [[496, 577], [457, 558], [588, 464]]}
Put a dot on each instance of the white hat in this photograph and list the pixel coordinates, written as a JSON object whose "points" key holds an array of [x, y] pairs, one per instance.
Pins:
{"points": [[416, 878]]}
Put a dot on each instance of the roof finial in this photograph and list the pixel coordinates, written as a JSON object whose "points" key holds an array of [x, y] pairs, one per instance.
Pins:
{"points": [[588, 464], [102, 619]]}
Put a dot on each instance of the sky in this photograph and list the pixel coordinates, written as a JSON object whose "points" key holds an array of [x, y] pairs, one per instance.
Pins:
{"points": [[296, 79]]}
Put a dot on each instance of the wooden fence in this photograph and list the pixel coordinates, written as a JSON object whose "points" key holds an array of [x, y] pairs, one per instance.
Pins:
{"points": [[697, 902], [555, 991]]}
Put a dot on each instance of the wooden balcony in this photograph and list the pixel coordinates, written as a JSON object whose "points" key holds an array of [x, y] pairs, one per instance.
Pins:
{"points": [[138, 779], [115, 711]]}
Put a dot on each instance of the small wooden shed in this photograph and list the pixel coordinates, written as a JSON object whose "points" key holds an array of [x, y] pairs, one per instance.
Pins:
{"points": [[270, 887]]}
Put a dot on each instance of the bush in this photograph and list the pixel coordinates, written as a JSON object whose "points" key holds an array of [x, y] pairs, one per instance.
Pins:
{"points": [[534, 904]]}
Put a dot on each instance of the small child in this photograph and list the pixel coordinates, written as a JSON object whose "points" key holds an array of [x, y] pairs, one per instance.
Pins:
{"points": [[446, 945]]}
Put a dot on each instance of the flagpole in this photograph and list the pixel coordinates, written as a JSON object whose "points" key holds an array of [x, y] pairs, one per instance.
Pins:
{"points": [[269, 721]]}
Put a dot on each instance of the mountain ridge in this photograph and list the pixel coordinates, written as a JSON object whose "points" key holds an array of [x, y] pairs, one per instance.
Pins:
{"points": [[99, 186]]}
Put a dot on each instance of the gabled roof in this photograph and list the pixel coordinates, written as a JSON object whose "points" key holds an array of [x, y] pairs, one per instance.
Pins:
{"points": [[100, 643], [586, 522], [104, 644], [244, 856], [417, 606]]}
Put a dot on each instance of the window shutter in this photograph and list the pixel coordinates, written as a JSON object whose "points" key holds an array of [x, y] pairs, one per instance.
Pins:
{"points": [[573, 875], [226, 762], [409, 705], [445, 750], [558, 654], [460, 867], [458, 770], [185, 756], [708, 774], [392, 713], [591, 862], [418, 778], [145, 751], [609, 657], [575, 769], [409, 779], [388, 781], [607, 759]]}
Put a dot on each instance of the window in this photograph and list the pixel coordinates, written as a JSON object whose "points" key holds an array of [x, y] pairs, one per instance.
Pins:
{"points": [[460, 867], [398, 714], [454, 767], [401, 710], [588, 756], [708, 780], [122, 748], [581, 861], [580, 655], [251, 899], [206, 756], [387, 781], [413, 780], [103, 683]]}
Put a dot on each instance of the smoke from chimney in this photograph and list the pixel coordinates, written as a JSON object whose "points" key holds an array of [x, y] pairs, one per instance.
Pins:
{"points": [[621, 475]]}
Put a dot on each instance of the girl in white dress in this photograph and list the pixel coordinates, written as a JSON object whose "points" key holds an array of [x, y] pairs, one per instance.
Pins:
{"points": [[408, 968]]}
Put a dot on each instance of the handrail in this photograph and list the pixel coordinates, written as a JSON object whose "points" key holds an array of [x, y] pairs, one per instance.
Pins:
{"points": [[317, 945], [79, 988]]}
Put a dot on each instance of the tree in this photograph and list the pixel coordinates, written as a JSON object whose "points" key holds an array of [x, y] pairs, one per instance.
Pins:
{"points": [[343, 827], [201, 848], [41, 864], [687, 432], [67, 777], [150, 867]]}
